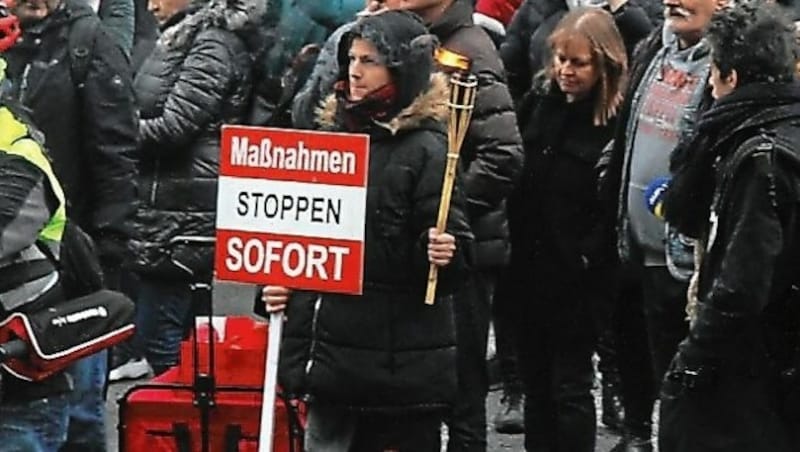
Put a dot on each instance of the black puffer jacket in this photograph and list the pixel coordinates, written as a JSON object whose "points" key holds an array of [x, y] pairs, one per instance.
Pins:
{"points": [[196, 79], [386, 349], [525, 50], [554, 212], [90, 132], [492, 150]]}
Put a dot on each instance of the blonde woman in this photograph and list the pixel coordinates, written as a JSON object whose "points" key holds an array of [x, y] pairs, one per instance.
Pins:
{"points": [[558, 262]]}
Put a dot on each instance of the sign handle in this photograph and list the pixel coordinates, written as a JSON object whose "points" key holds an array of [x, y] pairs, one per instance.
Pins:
{"points": [[270, 383]]}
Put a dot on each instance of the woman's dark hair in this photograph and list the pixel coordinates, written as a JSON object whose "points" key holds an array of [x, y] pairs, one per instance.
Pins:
{"points": [[608, 55], [755, 39]]}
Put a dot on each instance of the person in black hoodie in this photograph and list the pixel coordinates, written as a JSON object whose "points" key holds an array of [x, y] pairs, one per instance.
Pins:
{"points": [[557, 242], [381, 366], [736, 189]]}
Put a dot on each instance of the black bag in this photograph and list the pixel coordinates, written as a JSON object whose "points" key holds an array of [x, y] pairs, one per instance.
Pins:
{"points": [[65, 332], [79, 266]]}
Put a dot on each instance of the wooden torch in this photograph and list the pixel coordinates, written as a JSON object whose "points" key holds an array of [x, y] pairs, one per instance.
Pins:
{"points": [[463, 86]]}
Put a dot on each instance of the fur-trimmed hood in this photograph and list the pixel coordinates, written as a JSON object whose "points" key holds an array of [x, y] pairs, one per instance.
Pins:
{"points": [[430, 104], [231, 15]]}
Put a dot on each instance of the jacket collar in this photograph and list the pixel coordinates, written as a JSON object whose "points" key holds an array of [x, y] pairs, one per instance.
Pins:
{"points": [[231, 15], [430, 105]]}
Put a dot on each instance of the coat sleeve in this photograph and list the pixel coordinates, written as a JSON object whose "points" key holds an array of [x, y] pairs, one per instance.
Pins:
{"points": [[514, 50], [109, 106], [425, 200], [26, 204], [196, 97], [742, 278], [493, 146]]}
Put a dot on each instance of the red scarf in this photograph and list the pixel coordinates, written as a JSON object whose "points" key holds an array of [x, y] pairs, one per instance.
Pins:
{"points": [[375, 106]]}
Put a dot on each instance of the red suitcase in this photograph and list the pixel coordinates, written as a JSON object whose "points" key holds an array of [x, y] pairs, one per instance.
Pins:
{"points": [[219, 410]]}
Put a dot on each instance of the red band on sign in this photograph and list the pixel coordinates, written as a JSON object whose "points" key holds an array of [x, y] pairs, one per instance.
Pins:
{"points": [[307, 263], [294, 155]]}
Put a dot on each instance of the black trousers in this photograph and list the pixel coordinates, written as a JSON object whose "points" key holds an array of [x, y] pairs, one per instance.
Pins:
{"points": [[504, 306], [334, 429], [651, 315], [467, 420], [557, 340], [637, 386]]}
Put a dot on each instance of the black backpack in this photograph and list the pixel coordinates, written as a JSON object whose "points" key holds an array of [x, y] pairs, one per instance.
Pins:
{"points": [[81, 40], [78, 265]]}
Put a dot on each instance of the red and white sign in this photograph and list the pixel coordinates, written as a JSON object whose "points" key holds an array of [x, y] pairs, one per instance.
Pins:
{"points": [[291, 207]]}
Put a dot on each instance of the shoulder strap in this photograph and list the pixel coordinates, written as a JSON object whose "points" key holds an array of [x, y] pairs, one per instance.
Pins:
{"points": [[82, 35]]}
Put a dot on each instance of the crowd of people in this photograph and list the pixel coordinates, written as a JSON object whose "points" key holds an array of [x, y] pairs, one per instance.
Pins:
{"points": [[628, 188]]}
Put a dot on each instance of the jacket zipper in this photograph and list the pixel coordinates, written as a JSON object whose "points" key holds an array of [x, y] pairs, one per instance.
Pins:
{"points": [[317, 307], [23, 86], [154, 188]]}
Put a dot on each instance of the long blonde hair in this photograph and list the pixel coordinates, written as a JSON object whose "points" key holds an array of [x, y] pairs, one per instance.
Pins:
{"points": [[608, 55]]}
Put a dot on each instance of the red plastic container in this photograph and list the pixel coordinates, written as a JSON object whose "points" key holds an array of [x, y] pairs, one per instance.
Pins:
{"points": [[164, 416]]}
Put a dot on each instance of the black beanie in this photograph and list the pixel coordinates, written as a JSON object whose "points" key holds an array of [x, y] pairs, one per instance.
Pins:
{"points": [[405, 46]]}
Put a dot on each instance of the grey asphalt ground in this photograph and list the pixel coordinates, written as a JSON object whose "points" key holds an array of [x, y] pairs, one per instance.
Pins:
{"points": [[236, 299]]}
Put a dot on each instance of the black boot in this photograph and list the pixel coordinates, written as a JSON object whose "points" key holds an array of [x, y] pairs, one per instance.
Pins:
{"points": [[635, 440], [611, 406], [630, 443]]}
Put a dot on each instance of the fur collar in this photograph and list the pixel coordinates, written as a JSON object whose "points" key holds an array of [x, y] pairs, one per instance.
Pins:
{"points": [[431, 104], [231, 15]]}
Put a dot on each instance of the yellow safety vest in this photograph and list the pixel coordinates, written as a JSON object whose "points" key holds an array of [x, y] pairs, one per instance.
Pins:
{"points": [[15, 139]]}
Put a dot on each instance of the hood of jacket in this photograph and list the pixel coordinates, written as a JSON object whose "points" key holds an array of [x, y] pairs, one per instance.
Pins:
{"points": [[232, 15], [431, 104]]}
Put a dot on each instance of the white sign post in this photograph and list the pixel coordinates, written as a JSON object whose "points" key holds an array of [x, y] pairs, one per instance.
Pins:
{"points": [[270, 382]]}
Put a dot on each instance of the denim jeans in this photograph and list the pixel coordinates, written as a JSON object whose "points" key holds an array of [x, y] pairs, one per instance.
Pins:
{"points": [[87, 426], [36, 426], [163, 313]]}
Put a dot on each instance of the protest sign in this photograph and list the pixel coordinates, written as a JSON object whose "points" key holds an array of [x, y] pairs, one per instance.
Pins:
{"points": [[291, 207]]}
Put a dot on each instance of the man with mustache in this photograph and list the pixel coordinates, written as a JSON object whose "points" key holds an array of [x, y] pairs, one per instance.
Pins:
{"points": [[669, 74]]}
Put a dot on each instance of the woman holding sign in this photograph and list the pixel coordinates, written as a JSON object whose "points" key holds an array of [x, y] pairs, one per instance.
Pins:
{"points": [[380, 367]]}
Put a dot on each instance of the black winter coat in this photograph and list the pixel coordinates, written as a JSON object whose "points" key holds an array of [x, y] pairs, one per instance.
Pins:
{"points": [[555, 228], [492, 152], [196, 79], [90, 131], [386, 350], [748, 315], [525, 51]]}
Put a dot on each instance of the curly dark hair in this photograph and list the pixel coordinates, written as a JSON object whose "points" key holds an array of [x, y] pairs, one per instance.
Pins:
{"points": [[757, 40]]}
